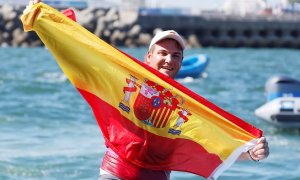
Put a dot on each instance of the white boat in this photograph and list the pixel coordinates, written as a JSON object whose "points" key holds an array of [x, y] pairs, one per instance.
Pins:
{"points": [[282, 107]]}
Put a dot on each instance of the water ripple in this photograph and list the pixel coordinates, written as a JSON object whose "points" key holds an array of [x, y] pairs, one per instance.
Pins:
{"points": [[47, 130]]}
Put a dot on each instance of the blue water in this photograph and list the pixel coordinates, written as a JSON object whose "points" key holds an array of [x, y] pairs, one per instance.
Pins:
{"points": [[47, 131]]}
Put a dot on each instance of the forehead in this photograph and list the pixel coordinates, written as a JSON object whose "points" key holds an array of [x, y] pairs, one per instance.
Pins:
{"points": [[169, 45]]}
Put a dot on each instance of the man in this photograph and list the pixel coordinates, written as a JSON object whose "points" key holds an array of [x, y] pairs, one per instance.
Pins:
{"points": [[165, 55]]}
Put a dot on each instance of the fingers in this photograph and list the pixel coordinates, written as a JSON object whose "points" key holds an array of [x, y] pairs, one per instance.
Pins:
{"points": [[32, 2], [261, 144], [262, 140], [260, 150], [261, 153]]}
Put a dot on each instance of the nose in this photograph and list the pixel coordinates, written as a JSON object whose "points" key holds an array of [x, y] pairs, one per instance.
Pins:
{"points": [[168, 58]]}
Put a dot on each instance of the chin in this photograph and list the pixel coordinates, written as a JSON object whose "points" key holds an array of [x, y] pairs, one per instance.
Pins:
{"points": [[169, 74]]}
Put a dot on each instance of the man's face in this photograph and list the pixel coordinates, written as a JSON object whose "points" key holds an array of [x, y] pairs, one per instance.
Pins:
{"points": [[166, 57]]}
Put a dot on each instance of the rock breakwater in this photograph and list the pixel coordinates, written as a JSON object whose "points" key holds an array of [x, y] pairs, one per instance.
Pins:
{"points": [[120, 27]]}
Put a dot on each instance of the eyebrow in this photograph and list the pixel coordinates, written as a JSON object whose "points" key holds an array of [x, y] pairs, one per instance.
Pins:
{"points": [[176, 52]]}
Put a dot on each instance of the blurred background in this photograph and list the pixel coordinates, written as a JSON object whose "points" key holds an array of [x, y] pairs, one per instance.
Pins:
{"points": [[47, 130], [132, 23]]}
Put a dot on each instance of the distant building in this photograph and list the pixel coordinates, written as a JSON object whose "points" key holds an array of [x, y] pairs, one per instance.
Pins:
{"points": [[243, 7], [132, 4], [15, 2], [284, 3], [79, 4]]}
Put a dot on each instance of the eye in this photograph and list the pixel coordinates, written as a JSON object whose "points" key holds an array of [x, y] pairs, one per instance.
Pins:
{"points": [[177, 56], [163, 53]]}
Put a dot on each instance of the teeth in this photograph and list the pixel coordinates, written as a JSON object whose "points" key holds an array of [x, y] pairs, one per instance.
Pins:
{"points": [[168, 68]]}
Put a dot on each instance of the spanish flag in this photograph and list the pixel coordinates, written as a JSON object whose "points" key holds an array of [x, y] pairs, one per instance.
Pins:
{"points": [[146, 117]]}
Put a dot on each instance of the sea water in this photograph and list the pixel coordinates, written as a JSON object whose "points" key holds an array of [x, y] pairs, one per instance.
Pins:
{"points": [[47, 130]]}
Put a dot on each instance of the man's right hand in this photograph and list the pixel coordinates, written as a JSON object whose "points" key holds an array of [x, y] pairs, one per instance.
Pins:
{"points": [[32, 2]]}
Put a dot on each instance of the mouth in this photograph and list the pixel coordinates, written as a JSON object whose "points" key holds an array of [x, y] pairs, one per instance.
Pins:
{"points": [[168, 68]]}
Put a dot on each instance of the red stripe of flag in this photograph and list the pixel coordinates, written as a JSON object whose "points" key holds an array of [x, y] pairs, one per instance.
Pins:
{"points": [[162, 153]]}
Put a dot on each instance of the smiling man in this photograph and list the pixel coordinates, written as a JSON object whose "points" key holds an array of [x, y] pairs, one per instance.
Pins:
{"points": [[165, 55]]}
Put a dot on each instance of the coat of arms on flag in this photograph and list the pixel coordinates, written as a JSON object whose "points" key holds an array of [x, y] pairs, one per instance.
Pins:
{"points": [[154, 105]]}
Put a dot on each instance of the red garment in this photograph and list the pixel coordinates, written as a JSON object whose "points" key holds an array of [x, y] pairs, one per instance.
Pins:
{"points": [[123, 169]]}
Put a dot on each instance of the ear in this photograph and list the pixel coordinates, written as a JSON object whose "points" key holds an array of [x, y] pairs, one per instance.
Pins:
{"points": [[148, 57]]}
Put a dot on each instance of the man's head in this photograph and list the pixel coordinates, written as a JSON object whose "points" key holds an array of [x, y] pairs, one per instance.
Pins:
{"points": [[165, 53]]}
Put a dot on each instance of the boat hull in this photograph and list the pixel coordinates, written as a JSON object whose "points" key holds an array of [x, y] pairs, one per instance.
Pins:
{"points": [[282, 112]]}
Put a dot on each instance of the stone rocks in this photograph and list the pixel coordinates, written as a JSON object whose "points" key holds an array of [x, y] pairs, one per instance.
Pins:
{"points": [[116, 27], [18, 37], [11, 29], [193, 41]]}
